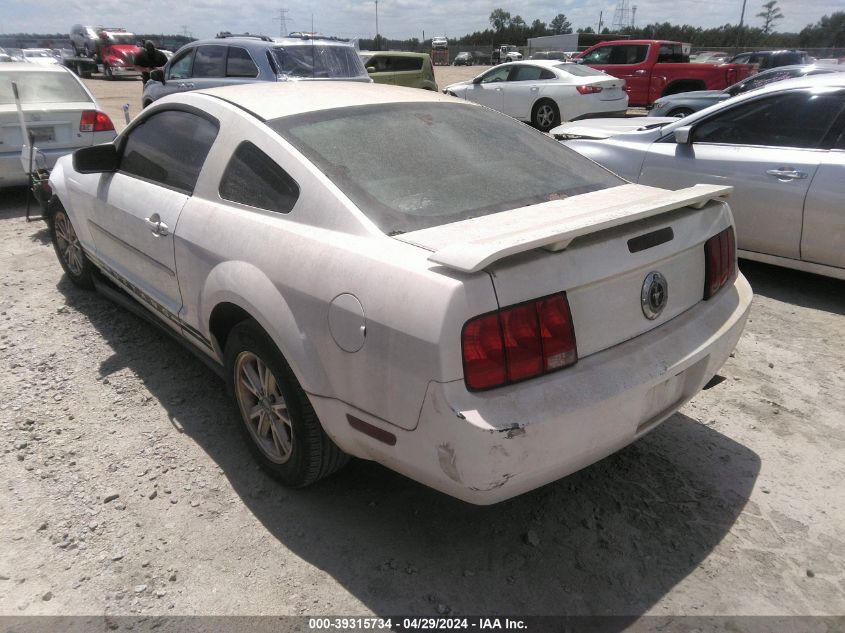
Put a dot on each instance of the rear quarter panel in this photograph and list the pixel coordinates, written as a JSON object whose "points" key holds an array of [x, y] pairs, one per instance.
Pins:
{"points": [[286, 269]]}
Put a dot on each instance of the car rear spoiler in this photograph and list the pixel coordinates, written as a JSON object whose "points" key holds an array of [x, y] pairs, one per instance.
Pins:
{"points": [[471, 245]]}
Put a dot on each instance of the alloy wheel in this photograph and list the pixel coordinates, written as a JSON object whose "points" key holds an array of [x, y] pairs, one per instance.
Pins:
{"points": [[68, 244], [263, 407]]}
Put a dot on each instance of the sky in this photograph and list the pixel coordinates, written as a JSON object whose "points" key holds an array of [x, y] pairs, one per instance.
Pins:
{"points": [[397, 19]]}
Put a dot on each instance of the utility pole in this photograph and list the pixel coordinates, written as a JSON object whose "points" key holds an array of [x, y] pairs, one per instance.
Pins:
{"points": [[283, 22], [601, 14], [741, 22], [378, 40]]}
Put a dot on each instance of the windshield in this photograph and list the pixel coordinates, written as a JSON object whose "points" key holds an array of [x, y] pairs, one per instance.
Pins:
{"points": [[123, 38], [318, 61], [412, 166], [41, 87]]}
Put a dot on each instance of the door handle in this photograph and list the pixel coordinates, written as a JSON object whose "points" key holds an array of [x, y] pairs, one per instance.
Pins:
{"points": [[498, 89], [787, 174], [640, 72], [156, 226], [534, 88]]}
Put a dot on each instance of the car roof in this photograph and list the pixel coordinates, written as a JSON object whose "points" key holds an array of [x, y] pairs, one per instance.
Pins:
{"points": [[264, 42], [271, 100], [395, 53]]}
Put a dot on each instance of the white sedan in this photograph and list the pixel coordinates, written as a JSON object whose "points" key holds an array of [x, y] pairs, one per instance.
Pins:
{"points": [[60, 113], [781, 146], [482, 330], [545, 93]]}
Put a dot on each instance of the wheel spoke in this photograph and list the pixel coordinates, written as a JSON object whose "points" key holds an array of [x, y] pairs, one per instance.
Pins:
{"points": [[263, 424], [251, 382], [281, 440], [255, 412]]}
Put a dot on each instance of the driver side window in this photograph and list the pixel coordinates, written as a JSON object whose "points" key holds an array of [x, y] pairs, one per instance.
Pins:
{"points": [[798, 119], [181, 66], [499, 74]]}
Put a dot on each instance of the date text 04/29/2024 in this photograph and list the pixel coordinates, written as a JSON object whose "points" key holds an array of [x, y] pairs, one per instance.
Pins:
{"points": [[415, 624]]}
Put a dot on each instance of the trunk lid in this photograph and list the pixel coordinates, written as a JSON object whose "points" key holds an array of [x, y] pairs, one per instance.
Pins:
{"points": [[599, 248], [56, 128]]}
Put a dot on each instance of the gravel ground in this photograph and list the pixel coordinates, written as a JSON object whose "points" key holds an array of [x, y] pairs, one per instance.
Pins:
{"points": [[127, 488]]}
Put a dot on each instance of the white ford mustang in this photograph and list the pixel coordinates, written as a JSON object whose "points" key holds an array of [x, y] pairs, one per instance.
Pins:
{"points": [[545, 93], [367, 287]]}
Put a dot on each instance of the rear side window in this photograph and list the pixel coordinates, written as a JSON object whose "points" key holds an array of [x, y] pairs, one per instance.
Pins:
{"points": [[526, 73], [240, 64], [798, 119], [317, 61], [209, 61], [169, 148], [618, 54], [398, 64], [256, 180]]}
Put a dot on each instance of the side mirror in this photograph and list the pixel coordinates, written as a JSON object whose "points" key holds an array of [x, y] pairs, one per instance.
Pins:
{"points": [[683, 135], [577, 60], [157, 75], [96, 159], [371, 69], [476, 80]]}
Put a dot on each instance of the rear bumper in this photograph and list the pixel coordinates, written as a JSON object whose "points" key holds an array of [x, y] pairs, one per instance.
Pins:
{"points": [[490, 446]]}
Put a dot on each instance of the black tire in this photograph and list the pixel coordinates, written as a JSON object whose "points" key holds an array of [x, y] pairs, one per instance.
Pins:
{"points": [[146, 103], [680, 112], [545, 115], [107, 73], [312, 455], [74, 262]]}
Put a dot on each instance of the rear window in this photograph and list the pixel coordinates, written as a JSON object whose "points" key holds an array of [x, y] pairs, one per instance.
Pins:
{"points": [[579, 70], [428, 164], [46, 87], [318, 61]]}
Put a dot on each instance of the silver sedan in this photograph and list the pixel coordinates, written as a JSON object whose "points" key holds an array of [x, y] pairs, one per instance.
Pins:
{"points": [[782, 147]]}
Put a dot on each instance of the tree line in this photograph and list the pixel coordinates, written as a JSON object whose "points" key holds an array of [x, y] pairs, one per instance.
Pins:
{"points": [[505, 28]]}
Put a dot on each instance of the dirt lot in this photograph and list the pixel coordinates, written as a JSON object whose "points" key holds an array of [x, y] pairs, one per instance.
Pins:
{"points": [[127, 488]]}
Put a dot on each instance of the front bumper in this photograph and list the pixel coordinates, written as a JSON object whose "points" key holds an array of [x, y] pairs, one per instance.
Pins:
{"points": [[125, 71], [489, 446]]}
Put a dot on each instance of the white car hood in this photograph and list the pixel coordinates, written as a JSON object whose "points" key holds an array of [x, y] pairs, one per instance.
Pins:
{"points": [[605, 128]]}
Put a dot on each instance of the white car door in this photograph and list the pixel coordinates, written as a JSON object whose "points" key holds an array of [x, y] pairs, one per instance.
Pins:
{"points": [[523, 88], [769, 149], [823, 238], [488, 91], [137, 208]]}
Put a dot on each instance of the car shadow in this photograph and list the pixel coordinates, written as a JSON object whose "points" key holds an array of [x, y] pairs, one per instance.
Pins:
{"points": [[612, 539], [795, 287]]}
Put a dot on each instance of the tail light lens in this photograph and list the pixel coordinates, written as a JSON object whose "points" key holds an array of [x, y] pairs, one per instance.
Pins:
{"points": [[95, 121], [588, 90], [518, 342], [719, 261]]}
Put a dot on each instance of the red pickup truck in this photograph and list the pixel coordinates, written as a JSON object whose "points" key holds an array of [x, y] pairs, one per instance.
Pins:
{"points": [[656, 68]]}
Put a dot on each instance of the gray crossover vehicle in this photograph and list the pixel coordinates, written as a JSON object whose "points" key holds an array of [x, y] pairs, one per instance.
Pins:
{"points": [[238, 59]]}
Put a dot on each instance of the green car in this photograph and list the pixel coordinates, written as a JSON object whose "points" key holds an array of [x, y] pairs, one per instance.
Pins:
{"points": [[397, 68]]}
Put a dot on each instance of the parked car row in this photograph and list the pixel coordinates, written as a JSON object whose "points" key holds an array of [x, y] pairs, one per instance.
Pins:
{"points": [[685, 103], [781, 146], [545, 93]]}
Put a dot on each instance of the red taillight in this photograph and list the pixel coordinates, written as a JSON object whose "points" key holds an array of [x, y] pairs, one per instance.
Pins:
{"points": [[719, 261], [518, 342], [588, 90], [95, 121]]}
